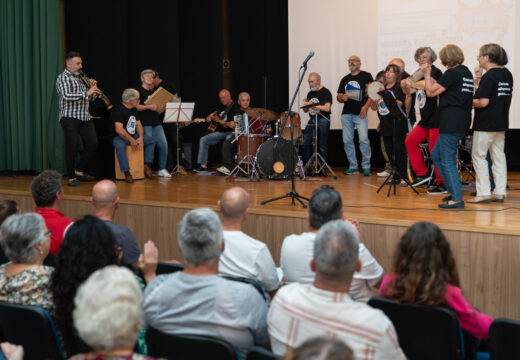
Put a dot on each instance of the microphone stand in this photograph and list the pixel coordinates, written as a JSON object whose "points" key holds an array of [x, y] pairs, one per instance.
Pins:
{"points": [[291, 194]]}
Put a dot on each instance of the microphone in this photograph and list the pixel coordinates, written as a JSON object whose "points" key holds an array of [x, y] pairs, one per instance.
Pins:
{"points": [[311, 54]]}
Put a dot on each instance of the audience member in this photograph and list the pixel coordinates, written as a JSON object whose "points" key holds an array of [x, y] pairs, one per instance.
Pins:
{"points": [[7, 208], [11, 351], [302, 311], [105, 200], [25, 280], [326, 205], [425, 273], [47, 194], [108, 312], [197, 301], [321, 348], [243, 256]]}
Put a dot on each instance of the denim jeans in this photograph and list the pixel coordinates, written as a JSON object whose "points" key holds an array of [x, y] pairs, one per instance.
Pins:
{"points": [[349, 122], [444, 156], [120, 145], [208, 140], [157, 133], [323, 136]]}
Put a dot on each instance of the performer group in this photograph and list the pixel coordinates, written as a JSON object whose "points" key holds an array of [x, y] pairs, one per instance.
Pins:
{"points": [[253, 138]]}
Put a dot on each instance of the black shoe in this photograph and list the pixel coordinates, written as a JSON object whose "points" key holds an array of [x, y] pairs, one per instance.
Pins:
{"points": [[201, 169], [437, 190], [446, 198], [457, 205], [73, 182], [85, 177], [419, 180]]}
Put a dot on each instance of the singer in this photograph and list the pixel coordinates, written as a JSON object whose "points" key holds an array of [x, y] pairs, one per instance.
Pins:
{"points": [[75, 118]]}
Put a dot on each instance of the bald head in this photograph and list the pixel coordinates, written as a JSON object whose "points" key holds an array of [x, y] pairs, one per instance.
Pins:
{"points": [[104, 193], [399, 62], [233, 203], [225, 97]]}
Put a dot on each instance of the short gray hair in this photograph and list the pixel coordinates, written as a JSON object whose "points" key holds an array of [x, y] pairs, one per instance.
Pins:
{"points": [[129, 95], [316, 75], [200, 236], [110, 319], [423, 49], [336, 251], [147, 71], [20, 234], [44, 188], [244, 93]]}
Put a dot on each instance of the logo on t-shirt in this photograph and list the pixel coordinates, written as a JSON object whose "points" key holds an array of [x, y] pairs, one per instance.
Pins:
{"points": [[421, 98], [130, 125], [382, 109], [314, 111], [504, 89]]}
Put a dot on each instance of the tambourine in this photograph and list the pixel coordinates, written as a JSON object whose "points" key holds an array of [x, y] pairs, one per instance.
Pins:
{"points": [[373, 89]]}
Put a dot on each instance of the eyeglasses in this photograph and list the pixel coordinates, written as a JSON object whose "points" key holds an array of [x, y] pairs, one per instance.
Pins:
{"points": [[48, 233], [352, 61]]}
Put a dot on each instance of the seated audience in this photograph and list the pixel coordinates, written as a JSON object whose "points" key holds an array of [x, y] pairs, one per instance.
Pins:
{"points": [[7, 208], [425, 273], [302, 311], [25, 280], [243, 256], [326, 205], [321, 348], [105, 200], [197, 301], [108, 314], [47, 194]]}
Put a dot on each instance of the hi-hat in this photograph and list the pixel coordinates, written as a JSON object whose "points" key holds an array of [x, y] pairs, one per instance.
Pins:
{"points": [[262, 113]]}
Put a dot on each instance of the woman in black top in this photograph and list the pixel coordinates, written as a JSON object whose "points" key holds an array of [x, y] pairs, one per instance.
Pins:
{"points": [[455, 90]]}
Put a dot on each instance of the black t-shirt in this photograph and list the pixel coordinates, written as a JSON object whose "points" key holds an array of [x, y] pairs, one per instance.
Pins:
{"points": [[385, 116], [359, 81], [320, 96], [428, 106], [456, 102], [125, 116], [170, 87], [227, 114], [497, 86], [148, 117]]}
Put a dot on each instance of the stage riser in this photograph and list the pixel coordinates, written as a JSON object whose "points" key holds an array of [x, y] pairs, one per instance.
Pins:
{"points": [[487, 262]]}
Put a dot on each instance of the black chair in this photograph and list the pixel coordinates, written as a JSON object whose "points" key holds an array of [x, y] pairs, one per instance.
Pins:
{"points": [[33, 328], [260, 353], [180, 347], [504, 336], [255, 283], [425, 332], [167, 268]]}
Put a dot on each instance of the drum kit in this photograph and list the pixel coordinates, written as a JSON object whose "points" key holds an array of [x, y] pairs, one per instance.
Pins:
{"points": [[264, 146]]}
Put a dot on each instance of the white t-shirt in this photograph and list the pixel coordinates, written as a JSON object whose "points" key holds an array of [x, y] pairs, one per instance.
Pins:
{"points": [[296, 255], [244, 256], [301, 311]]}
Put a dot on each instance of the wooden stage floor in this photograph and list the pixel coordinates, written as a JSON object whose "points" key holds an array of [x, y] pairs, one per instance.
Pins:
{"points": [[485, 238]]}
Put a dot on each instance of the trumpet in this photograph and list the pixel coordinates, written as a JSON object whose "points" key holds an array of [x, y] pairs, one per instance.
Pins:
{"points": [[99, 95]]}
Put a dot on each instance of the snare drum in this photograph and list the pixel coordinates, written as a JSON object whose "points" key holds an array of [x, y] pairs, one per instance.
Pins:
{"points": [[285, 132], [273, 162], [248, 145]]}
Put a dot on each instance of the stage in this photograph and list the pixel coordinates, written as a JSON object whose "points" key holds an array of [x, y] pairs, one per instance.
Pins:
{"points": [[485, 238]]}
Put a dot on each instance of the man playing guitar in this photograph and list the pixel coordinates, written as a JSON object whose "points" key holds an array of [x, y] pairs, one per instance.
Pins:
{"points": [[221, 127]]}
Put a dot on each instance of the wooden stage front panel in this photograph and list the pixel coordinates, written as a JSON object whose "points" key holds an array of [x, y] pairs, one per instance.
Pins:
{"points": [[485, 238]]}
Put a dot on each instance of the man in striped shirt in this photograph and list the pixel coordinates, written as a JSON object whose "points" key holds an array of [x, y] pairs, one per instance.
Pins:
{"points": [[75, 118], [303, 311]]}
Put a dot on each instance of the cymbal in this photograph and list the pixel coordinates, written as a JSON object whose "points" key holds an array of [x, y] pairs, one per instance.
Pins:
{"points": [[262, 113]]}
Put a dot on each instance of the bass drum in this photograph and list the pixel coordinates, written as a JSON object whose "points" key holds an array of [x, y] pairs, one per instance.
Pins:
{"points": [[277, 162]]}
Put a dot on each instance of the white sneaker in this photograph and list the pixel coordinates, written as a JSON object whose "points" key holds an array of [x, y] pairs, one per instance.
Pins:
{"points": [[383, 174], [224, 170], [164, 173]]}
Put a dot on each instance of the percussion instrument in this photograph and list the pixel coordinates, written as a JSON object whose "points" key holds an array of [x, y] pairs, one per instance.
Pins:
{"points": [[273, 162], [262, 113], [416, 76], [248, 145], [285, 132], [373, 90]]}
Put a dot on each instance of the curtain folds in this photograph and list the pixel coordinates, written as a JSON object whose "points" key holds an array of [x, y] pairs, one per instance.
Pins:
{"points": [[30, 61]]}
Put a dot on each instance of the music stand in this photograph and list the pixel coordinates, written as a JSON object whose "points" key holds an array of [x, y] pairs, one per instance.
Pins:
{"points": [[178, 112]]}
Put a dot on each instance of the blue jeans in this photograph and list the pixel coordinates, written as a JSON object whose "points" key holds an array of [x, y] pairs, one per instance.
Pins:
{"points": [[323, 136], [208, 140], [157, 133], [444, 156], [120, 145], [349, 122]]}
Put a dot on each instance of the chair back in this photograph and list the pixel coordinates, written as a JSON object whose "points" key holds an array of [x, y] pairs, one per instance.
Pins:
{"points": [[424, 332], [167, 268], [260, 353], [504, 335], [33, 328], [181, 347]]}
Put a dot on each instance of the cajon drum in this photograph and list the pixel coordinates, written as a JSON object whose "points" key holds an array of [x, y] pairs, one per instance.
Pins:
{"points": [[136, 162]]}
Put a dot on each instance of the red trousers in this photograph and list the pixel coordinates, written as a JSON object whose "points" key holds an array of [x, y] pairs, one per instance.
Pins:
{"points": [[414, 138]]}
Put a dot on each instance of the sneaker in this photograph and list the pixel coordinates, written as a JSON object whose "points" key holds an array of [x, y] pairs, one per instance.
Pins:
{"points": [[366, 172], [201, 169], [224, 170], [437, 190], [164, 173], [480, 199], [383, 173], [419, 180], [351, 172]]}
